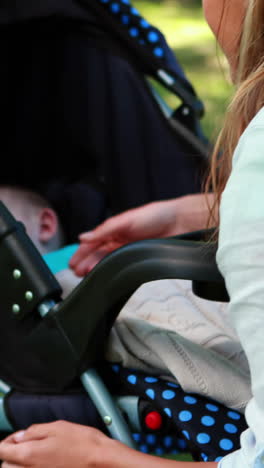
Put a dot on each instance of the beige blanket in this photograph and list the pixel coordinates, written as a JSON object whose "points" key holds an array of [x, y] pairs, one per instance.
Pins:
{"points": [[164, 329]]}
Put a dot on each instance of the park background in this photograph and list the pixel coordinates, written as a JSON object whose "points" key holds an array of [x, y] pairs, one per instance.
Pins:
{"points": [[187, 33]]}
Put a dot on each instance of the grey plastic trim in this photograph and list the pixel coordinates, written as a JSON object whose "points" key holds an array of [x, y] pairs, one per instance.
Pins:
{"points": [[129, 406], [4, 422], [106, 407]]}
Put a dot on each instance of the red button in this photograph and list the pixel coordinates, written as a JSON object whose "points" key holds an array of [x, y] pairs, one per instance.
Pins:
{"points": [[153, 420]]}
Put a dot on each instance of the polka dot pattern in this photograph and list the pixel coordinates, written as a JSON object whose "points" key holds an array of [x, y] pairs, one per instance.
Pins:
{"points": [[125, 19], [168, 412], [134, 11], [116, 368], [208, 421], [115, 8], [168, 441], [203, 438], [151, 439], [182, 444], [134, 32], [151, 379], [158, 52], [168, 394], [190, 400], [233, 415], [136, 26], [185, 416], [150, 393], [158, 444], [172, 384], [226, 444], [202, 425], [212, 407], [186, 434], [144, 23], [231, 428], [132, 379], [153, 36], [143, 448], [159, 451]]}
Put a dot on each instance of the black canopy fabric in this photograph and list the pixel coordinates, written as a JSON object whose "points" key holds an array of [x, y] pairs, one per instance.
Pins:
{"points": [[77, 109], [142, 41], [13, 11]]}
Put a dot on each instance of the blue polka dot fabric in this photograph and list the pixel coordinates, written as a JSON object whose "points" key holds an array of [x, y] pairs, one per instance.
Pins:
{"points": [[205, 428], [144, 40], [160, 445], [135, 25]]}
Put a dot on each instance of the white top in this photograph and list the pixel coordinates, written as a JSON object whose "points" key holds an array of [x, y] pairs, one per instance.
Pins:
{"points": [[240, 258]]}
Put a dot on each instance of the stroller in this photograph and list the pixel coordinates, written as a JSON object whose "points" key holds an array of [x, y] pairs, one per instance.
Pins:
{"points": [[52, 351], [76, 93], [56, 369]]}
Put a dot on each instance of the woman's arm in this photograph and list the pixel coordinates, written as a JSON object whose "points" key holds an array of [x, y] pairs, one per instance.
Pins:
{"points": [[66, 445], [154, 220]]}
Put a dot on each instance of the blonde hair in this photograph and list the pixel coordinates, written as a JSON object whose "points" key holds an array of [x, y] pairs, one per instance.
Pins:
{"points": [[247, 100]]}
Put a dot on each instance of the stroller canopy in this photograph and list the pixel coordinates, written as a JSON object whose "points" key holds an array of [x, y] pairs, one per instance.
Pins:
{"points": [[77, 107]]}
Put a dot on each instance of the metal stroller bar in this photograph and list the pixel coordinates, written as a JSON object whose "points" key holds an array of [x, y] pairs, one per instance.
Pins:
{"points": [[106, 407], [182, 130]]}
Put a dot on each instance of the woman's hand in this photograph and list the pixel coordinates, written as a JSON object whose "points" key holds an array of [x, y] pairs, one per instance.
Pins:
{"points": [[149, 221], [154, 220], [58, 444], [66, 445]]}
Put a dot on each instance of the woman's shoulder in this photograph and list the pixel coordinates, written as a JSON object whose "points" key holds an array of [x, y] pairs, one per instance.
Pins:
{"points": [[256, 123], [258, 120], [252, 138]]}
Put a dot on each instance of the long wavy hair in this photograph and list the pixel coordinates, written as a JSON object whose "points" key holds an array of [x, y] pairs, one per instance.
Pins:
{"points": [[246, 102]]}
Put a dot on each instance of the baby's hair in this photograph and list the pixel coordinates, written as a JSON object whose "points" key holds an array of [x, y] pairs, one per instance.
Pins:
{"points": [[30, 202], [34, 198]]}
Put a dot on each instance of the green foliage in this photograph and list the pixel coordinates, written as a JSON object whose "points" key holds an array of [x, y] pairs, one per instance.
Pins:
{"points": [[187, 32], [179, 457]]}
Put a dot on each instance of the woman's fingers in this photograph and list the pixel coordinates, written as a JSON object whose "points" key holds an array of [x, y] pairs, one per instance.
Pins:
{"points": [[108, 229], [36, 431], [14, 454], [83, 251], [88, 262]]}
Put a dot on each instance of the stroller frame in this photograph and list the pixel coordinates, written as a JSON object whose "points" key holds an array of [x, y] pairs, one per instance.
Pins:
{"points": [[74, 353], [36, 322]]}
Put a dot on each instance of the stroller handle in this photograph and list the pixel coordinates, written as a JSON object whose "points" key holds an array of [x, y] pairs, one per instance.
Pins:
{"points": [[98, 299], [54, 348]]}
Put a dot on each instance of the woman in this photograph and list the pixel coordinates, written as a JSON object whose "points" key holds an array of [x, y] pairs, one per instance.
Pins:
{"points": [[239, 29]]}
